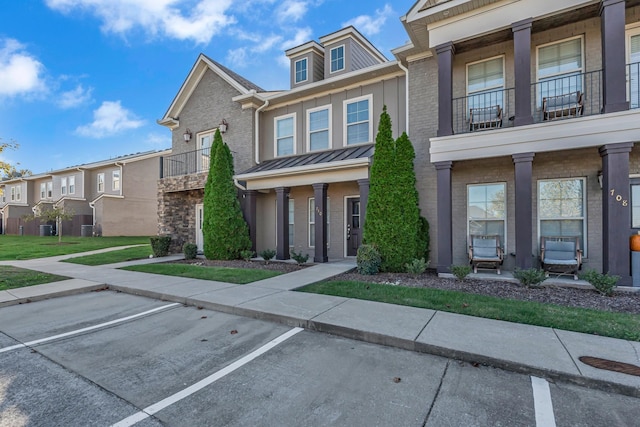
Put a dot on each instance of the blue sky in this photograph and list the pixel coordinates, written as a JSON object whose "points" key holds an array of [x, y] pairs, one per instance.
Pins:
{"points": [[86, 80]]}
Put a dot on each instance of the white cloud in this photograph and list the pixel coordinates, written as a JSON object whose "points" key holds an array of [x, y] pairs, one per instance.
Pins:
{"points": [[109, 119], [302, 35], [157, 140], [198, 23], [291, 11], [237, 57], [74, 98], [20, 72], [370, 25]]}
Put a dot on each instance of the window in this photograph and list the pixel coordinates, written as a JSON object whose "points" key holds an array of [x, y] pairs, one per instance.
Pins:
{"points": [[318, 125], [63, 186], [72, 185], [560, 66], [43, 190], [486, 212], [635, 203], [312, 221], [100, 183], [485, 81], [291, 222], [13, 194], [205, 140], [18, 193], [633, 69], [561, 210], [358, 124], [337, 58], [115, 180], [301, 70], [50, 189], [285, 129]]}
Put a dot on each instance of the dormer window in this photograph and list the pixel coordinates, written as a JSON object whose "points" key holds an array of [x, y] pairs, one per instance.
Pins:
{"points": [[301, 70], [337, 59]]}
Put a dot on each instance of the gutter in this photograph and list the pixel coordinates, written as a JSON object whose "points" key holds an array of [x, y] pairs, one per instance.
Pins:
{"points": [[257, 130], [406, 96]]}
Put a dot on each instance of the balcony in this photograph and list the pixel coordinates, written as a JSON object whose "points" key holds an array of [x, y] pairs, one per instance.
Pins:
{"points": [[562, 98], [189, 163]]}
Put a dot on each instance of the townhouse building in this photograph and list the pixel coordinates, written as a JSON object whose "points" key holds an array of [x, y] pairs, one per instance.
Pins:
{"points": [[115, 197], [524, 115]]}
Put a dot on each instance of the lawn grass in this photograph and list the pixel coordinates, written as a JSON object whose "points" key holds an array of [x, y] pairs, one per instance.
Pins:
{"points": [[238, 276], [604, 323], [129, 254], [13, 277], [30, 247]]}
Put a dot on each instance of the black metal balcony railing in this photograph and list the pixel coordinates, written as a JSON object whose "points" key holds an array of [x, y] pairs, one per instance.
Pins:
{"points": [[188, 163], [565, 97]]}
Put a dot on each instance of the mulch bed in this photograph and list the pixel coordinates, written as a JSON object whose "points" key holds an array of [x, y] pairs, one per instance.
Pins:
{"points": [[283, 267]]}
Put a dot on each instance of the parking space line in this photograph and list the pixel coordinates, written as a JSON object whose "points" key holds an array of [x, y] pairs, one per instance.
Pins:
{"points": [[542, 403], [87, 329], [156, 407]]}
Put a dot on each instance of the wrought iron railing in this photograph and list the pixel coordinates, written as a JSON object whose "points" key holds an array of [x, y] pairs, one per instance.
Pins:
{"points": [[188, 163], [482, 111], [633, 85]]}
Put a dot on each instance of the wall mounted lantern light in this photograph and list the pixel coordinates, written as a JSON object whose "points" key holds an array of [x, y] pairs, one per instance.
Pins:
{"points": [[600, 178], [187, 135], [223, 126]]}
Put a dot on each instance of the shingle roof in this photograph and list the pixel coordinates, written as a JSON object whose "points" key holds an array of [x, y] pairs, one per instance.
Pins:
{"points": [[349, 153]]}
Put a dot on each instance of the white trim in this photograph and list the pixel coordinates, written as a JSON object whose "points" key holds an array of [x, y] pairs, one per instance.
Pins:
{"points": [[345, 222], [275, 134], [630, 31], [98, 176], [328, 107], [581, 70], [72, 184], [199, 219], [63, 186], [345, 103], [344, 58], [502, 56], [504, 218], [113, 180], [295, 70]]}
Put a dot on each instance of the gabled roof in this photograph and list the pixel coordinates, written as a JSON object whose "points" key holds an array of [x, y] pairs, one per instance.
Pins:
{"points": [[202, 64], [351, 32]]}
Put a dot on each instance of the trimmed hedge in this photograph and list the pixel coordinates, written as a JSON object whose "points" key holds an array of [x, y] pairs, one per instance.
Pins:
{"points": [[160, 245]]}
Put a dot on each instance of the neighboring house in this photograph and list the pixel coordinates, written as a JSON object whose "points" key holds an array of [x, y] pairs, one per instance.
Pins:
{"points": [[116, 197], [524, 116], [303, 158]]}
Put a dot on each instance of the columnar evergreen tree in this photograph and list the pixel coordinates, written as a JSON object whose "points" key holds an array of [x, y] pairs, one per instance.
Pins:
{"points": [[224, 229], [392, 222]]}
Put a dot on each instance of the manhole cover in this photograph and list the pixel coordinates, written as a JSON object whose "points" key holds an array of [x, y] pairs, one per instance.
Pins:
{"points": [[611, 365]]}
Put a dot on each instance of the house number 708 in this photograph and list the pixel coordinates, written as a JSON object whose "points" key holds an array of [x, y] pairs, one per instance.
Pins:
{"points": [[619, 198]]}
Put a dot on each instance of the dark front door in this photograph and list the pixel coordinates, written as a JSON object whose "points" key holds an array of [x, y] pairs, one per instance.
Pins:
{"points": [[353, 226]]}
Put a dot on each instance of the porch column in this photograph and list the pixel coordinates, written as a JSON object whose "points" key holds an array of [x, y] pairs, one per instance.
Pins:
{"points": [[320, 196], [616, 216], [250, 214], [614, 90], [282, 222], [363, 184], [522, 67], [444, 212], [444, 54], [524, 210]]}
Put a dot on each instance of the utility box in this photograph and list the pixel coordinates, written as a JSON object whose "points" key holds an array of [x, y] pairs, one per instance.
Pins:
{"points": [[45, 230]]}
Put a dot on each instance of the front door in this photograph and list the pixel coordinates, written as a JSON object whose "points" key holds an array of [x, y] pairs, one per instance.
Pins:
{"points": [[199, 235], [353, 226]]}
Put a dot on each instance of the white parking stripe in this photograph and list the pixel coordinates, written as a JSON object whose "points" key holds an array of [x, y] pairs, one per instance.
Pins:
{"points": [[87, 329], [156, 407], [542, 403]]}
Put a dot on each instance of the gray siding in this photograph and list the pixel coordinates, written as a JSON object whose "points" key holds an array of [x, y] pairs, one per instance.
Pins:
{"points": [[360, 57]]}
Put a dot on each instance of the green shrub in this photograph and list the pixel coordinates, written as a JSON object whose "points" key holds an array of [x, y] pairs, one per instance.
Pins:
{"points": [[190, 250], [368, 260], [417, 266], [247, 254], [267, 254], [604, 283], [298, 257], [423, 239], [530, 276], [160, 245], [460, 271]]}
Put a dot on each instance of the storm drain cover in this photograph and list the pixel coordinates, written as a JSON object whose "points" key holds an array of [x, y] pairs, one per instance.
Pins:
{"points": [[611, 365]]}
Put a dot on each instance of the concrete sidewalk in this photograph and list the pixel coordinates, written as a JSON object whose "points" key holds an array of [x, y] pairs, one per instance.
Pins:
{"points": [[540, 351]]}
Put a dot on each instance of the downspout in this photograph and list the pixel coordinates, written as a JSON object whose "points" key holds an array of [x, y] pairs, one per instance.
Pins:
{"points": [[120, 165], [238, 185], [406, 100], [92, 205], [257, 129]]}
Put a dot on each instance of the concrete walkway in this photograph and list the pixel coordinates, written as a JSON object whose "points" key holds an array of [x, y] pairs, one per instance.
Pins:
{"points": [[540, 351]]}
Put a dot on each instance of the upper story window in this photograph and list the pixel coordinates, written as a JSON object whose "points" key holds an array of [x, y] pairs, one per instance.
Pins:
{"points": [[635, 202], [63, 186], [559, 68], [100, 182], [485, 81], [319, 128], [561, 209], [486, 210], [205, 141], [16, 193], [285, 131], [337, 59], [43, 190], [301, 70], [358, 123], [633, 69], [49, 189], [72, 185], [115, 180]]}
